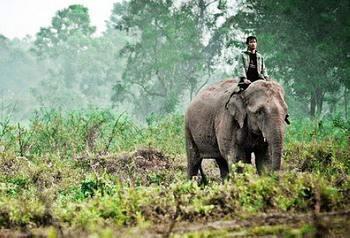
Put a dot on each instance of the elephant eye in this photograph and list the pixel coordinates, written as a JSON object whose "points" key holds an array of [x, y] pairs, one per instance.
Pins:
{"points": [[260, 111]]}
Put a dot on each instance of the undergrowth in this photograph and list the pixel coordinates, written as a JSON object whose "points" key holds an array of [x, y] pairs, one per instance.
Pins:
{"points": [[88, 170]]}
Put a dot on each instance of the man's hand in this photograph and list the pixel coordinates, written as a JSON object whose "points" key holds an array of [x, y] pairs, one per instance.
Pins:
{"points": [[247, 81], [244, 83]]}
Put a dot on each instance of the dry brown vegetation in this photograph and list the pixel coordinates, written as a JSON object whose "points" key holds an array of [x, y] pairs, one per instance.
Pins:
{"points": [[55, 183]]}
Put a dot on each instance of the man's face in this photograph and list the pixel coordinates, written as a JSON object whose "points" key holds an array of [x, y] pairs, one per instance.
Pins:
{"points": [[252, 44]]}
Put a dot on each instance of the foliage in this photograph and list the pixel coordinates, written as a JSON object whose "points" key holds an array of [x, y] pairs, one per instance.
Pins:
{"points": [[94, 169], [19, 71], [306, 130], [95, 131], [79, 69], [168, 57], [156, 55], [65, 25], [98, 171], [165, 58], [305, 42]]}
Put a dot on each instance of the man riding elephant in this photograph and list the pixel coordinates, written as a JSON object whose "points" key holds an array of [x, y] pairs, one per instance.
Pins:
{"points": [[251, 64], [230, 127], [228, 121]]}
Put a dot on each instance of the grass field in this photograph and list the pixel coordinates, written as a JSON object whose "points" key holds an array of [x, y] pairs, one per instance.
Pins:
{"points": [[95, 173]]}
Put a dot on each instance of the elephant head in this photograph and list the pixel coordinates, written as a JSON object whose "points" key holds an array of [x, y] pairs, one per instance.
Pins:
{"points": [[262, 111]]}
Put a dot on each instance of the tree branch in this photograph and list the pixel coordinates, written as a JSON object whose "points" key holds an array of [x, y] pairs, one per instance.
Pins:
{"points": [[151, 93]]}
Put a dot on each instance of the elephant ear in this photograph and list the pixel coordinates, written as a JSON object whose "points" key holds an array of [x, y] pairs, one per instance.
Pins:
{"points": [[254, 108], [237, 109]]}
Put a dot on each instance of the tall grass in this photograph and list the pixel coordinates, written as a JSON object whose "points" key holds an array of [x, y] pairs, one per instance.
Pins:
{"points": [[67, 135], [92, 169]]}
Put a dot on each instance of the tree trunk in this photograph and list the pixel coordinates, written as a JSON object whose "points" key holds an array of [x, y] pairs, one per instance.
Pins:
{"points": [[346, 102], [333, 107], [319, 101], [191, 92], [312, 105]]}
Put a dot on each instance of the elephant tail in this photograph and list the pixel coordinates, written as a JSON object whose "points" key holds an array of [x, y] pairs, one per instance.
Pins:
{"points": [[194, 161]]}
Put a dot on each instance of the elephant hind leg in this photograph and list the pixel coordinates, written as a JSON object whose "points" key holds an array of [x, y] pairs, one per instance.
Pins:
{"points": [[193, 159], [194, 165], [204, 179], [223, 166]]}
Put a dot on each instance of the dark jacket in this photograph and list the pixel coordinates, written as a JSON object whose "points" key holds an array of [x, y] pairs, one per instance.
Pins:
{"points": [[244, 64]]}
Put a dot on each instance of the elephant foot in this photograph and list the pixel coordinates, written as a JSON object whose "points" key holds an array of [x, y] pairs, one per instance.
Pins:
{"points": [[223, 166]]}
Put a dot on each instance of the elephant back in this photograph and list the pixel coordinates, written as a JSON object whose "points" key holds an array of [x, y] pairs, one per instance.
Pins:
{"points": [[269, 88], [210, 100], [208, 105], [214, 93]]}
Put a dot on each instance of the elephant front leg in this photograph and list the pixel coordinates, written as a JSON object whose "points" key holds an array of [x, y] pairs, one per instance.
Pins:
{"points": [[223, 166], [245, 157], [262, 160]]}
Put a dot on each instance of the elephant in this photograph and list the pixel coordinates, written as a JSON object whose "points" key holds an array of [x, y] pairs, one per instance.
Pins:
{"points": [[229, 126]]}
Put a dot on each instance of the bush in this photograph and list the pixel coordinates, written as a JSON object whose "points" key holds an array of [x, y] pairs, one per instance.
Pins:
{"points": [[97, 169]]}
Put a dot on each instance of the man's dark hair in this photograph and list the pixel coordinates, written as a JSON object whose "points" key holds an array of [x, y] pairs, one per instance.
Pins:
{"points": [[249, 38]]}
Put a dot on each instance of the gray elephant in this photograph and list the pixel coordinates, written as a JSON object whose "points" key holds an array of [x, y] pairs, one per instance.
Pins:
{"points": [[228, 127]]}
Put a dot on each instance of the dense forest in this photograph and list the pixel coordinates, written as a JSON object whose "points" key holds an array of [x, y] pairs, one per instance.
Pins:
{"points": [[156, 55], [92, 125]]}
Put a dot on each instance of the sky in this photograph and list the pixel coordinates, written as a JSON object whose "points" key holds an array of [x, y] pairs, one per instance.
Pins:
{"points": [[19, 18]]}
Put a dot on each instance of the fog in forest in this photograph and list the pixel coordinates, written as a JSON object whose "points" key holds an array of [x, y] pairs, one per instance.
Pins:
{"points": [[154, 56], [95, 141]]}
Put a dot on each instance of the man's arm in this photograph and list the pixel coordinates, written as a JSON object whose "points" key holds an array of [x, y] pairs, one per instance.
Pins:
{"points": [[264, 70], [241, 67]]}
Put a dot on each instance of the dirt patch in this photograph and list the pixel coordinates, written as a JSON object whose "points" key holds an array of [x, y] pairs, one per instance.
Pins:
{"points": [[331, 224], [150, 159], [328, 224], [141, 165]]}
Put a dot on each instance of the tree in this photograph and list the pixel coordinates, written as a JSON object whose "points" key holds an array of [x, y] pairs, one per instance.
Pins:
{"points": [[79, 68], [170, 54], [163, 60], [67, 24], [18, 72], [305, 41]]}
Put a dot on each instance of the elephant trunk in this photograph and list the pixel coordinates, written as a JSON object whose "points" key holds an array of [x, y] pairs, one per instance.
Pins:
{"points": [[276, 146]]}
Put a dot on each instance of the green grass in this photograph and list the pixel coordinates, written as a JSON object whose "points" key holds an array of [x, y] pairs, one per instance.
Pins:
{"points": [[97, 172]]}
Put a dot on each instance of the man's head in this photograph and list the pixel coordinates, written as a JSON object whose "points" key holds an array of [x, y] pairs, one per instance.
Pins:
{"points": [[251, 42]]}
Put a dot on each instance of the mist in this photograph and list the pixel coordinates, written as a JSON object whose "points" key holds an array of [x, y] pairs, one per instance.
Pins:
{"points": [[154, 57], [105, 132]]}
